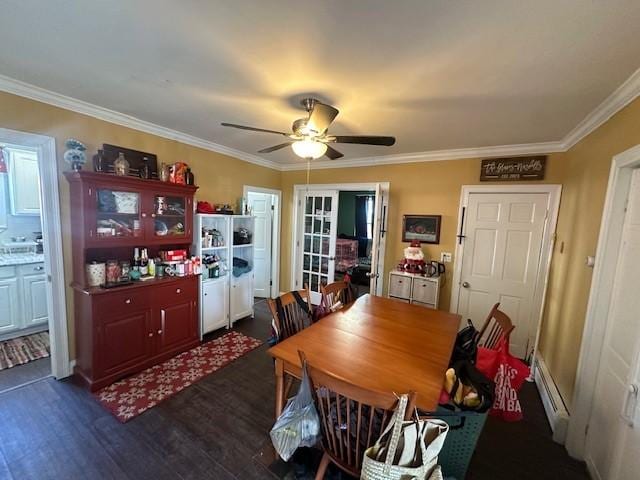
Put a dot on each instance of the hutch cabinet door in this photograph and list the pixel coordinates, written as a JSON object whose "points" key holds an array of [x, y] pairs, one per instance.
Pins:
{"points": [[171, 218], [123, 341], [117, 217], [177, 326]]}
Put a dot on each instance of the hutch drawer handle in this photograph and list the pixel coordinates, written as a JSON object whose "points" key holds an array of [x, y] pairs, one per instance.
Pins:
{"points": [[144, 215], [159, 332], [150, 334], [39, 268], [153, 215], [178, 290], [127, 301]]}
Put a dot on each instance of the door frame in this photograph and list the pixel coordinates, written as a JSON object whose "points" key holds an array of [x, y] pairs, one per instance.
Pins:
{"points": [[341, 187], [604, 271], [554, 192], [52, 234], [275, 239]]}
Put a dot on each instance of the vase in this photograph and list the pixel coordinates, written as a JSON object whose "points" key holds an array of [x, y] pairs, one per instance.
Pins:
{"points": [[121, 165], [165, 172]]}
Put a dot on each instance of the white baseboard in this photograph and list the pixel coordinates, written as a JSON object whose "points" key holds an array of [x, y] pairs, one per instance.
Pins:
{"points": [[554, 406], [72, 364]]}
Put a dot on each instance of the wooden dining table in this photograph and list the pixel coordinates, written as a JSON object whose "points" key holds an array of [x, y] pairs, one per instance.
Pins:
{"points": [[375, 343]]}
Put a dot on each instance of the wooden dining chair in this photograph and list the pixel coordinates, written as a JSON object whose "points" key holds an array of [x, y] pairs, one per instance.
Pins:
{"points": [[496, 326], [334, 292], [293, 318], [351, 418]]}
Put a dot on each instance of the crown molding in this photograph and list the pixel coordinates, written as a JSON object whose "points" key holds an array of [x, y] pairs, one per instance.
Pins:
{"points": [[434, 156], [33, 92], [620, 98]]}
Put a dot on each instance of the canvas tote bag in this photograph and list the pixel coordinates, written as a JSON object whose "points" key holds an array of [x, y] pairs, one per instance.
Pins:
{"points": [[411, 452]]}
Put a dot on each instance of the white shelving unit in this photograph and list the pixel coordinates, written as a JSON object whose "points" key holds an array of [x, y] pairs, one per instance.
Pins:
{"points": [[227, 298]]}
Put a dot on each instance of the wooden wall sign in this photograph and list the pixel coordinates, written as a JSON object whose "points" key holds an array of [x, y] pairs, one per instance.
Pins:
{"points": [[512, 169]]}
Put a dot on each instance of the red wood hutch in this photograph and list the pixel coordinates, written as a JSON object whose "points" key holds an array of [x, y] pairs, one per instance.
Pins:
{"points": [[122, 330]]}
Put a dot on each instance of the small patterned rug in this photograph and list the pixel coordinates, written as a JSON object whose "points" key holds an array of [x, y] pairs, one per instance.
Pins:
{"points": [[134, 395], [21, 350]]}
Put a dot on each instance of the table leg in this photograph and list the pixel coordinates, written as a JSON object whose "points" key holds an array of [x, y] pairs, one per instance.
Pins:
{"points": [[279, 370]]}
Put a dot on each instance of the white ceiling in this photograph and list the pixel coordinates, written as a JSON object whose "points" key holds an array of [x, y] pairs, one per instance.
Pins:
{"points": [[438, 74]]}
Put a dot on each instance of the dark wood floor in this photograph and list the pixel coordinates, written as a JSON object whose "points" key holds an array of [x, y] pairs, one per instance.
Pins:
{"points": [[21, 374], [216, 429]]}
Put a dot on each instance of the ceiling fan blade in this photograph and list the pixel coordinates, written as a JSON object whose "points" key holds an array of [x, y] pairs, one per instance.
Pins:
{"points": [[321, 117], [275, 147], [332, 153], [253, 129], [365, 139]]}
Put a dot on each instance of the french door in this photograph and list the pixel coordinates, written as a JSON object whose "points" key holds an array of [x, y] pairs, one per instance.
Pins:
{"points": [[317, 240]]}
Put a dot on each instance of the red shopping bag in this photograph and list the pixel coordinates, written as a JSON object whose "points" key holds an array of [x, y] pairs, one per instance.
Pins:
{"points": [[509, 373]]}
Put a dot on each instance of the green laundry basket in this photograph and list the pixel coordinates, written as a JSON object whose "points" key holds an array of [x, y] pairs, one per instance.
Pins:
{"points": [[464, 431]]}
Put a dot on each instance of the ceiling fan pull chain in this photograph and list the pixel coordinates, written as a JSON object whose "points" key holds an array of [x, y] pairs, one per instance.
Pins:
{"points": [[308, 170]]}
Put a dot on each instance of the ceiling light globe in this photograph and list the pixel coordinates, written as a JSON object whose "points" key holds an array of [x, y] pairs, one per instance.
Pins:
{"points": [[309, 148]]}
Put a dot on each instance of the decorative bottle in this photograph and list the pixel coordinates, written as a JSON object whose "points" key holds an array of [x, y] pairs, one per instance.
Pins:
{"points": [[188, 177], [144, 172], [165, 172], [121, 165]]}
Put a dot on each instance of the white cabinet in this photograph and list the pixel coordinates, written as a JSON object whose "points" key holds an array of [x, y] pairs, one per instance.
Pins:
{"points": [[241, 297], [4, 201], [24, 186], [23, 300], [34, 299], [9, 305], [225, 299], [424, 291], [214, 304]]}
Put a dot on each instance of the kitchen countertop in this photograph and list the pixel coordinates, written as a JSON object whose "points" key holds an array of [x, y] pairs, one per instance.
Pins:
{"points": [[7, 259]]}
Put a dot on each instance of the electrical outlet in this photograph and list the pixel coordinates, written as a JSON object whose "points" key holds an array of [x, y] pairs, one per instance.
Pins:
{"points": [[445, 257]]}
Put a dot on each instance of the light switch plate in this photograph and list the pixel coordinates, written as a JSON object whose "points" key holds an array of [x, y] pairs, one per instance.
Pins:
{"points": [[445, 257]]}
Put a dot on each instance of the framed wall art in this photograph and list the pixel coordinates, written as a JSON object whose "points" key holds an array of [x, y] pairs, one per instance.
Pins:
{"points": [[425, 228]]}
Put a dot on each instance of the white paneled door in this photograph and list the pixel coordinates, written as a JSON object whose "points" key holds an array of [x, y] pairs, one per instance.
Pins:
{"points": [[317, 222], [262, 209], [613, 438], [502, 247]]}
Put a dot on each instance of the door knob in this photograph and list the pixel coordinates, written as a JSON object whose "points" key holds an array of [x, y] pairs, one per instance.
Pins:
{"points": [[465, 284]]}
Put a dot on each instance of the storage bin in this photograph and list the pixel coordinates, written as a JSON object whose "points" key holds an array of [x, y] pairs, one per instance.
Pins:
{"points": [[464, 431]]}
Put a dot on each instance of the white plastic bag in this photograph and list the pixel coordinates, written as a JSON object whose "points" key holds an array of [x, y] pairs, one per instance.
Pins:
{"points": [[298, 425]]}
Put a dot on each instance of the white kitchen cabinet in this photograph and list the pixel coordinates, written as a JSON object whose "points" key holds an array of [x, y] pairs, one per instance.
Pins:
{"points": [[228, 298], [34, 300], [23, 300], [241, 297], [214, 304], [9, 305], [24, 184], [416, 289]]}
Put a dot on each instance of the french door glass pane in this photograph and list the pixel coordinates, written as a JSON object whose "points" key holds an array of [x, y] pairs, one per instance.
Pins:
{"points": [[316, 244]]}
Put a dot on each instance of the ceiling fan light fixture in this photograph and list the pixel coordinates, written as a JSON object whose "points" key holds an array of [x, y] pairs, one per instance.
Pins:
{"points": [[309, 148]]}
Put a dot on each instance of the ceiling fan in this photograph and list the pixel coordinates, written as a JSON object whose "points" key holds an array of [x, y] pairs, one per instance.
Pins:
{"points": [[310, 138]]}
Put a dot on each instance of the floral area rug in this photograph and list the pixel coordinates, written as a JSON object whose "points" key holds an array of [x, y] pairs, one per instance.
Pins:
{"points": [[134, 395]]}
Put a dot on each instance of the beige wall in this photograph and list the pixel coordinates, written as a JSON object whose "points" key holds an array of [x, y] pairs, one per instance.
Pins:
{"points": [[428, 188], [585, 184], [220, 177]]}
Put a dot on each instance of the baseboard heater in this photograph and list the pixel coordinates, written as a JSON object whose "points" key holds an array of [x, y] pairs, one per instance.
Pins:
{"points": [[554, 406]]}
